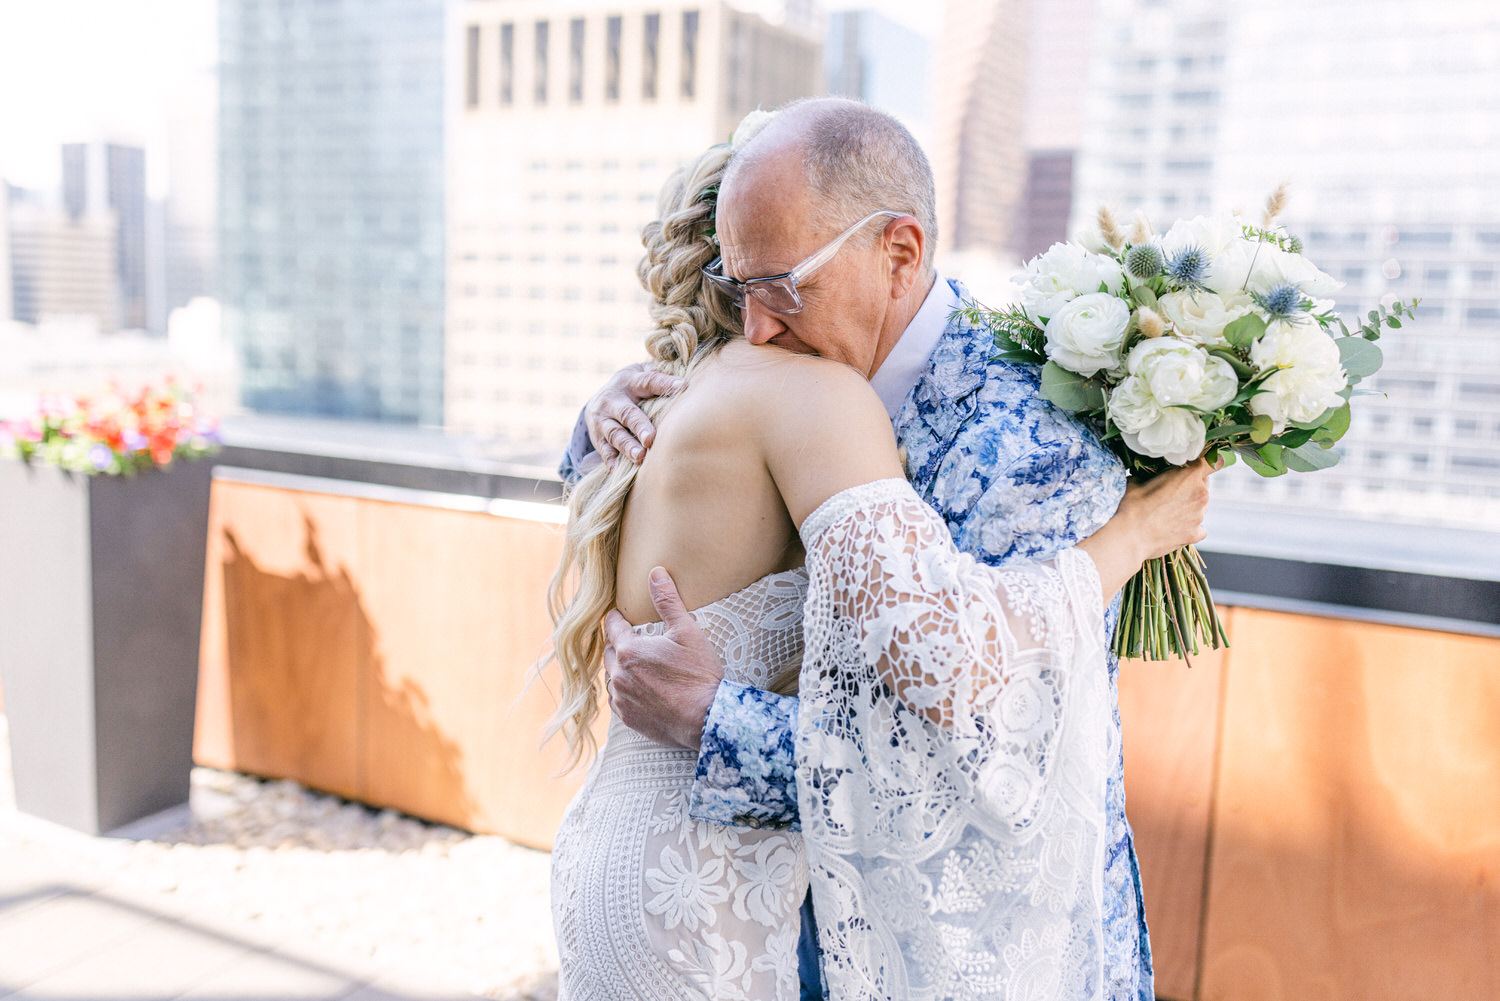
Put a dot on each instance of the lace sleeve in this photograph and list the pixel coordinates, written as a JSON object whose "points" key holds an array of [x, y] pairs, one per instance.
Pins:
{"points": [[953, 747]]}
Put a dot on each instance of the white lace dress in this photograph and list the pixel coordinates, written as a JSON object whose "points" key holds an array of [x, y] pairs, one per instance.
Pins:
{"points": [[953, 746], [649, 904]]}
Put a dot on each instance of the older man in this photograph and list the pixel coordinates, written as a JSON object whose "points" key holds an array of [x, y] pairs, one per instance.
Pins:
{"points": [[1014, 478]]}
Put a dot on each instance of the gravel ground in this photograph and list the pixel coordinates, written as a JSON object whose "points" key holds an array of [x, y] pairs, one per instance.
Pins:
{"points": [[435, 904]]}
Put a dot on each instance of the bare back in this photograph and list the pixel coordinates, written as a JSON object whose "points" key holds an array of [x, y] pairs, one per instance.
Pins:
{"points": [[704, 504]]}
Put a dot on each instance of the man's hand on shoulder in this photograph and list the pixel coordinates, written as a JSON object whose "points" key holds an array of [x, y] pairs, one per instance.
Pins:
{"points": [[661, 686], [616, 424]]}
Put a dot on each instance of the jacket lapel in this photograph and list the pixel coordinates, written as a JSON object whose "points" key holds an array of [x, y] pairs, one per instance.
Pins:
{"points": [[945, 397]]}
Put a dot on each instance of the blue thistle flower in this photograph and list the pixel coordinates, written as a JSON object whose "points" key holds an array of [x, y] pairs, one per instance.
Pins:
{"points": [[1144, 261], [1282, 301], [1188, 267]]}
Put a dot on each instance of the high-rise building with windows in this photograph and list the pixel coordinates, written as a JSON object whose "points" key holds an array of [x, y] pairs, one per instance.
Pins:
{"points": [[868, 56], [331, 204], [110, 178], [978, 160], [62, 264], [1382, 116], [568, 117]]}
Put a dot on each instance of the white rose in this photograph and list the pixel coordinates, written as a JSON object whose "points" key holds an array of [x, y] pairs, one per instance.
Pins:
{"points": [[1086, 333], [1202, 316], [1178, 372], [1063, 273], [1169, 433]]}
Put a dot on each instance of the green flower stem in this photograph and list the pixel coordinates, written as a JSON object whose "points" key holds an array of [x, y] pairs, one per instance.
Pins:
{"points": [[1167, 608]]}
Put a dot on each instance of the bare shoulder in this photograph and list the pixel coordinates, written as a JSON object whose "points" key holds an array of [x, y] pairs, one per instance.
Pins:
{"points": [[788, 391]]}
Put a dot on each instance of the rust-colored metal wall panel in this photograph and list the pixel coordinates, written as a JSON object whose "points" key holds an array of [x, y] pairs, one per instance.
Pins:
{"points": [[286, 639], [461, 600], [382, 652], [1356, 844], [1170, 716]]}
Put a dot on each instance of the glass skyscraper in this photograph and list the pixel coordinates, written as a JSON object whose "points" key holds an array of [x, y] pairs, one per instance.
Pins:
{"points": [[331, 201]]}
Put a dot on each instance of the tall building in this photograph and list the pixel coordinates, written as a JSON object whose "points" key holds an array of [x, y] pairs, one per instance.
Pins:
{"points": [[1382, 115], [1058, 48], [190, 234], [978, 160], [61, 264], [111, 177], [568, 117], [7, 279], [868, 56], [331, 204]]}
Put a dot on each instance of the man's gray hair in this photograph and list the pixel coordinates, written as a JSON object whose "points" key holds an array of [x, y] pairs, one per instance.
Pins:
{"points": [[857, 161]]}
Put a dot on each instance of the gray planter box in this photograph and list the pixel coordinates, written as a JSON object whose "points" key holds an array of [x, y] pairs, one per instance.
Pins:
{"points": [[101, 598]]}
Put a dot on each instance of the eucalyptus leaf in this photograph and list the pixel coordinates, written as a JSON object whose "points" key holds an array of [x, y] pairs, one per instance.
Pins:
{"points": [[1295, 437], [1226, 431], [1069, 390], [1359, 357], [1310, 458], [1337, 423], [1260, 429], [1254, 460], [1245, 331], [1241, 369]]}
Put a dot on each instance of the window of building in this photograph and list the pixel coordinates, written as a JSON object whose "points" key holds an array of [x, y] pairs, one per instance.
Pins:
{"points": [[689, 54], [1466, 427], [539, 91], [507, 63], [1427, 237], [612, 59], [1437, 276], [1195, 97], [1481, 277], [575, 60], [471, 67], [1485, 315], [650, 48]]}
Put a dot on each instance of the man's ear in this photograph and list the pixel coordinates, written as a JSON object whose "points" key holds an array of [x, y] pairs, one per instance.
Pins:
{"points": [[905, 242]]}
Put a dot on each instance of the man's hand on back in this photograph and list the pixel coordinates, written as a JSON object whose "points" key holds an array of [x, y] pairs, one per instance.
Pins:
{"points": [[661, 686], [616, 424]]}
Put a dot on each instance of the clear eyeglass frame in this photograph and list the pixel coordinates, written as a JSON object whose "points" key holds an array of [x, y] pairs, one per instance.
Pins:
{"points": [[778, 293]]}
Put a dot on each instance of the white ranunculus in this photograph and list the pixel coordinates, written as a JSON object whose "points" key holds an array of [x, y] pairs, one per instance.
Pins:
{"points": [[1202, 316], [1179, 372], [1086, 333], [1063, 273], [1169, 433], [1241, 266]]}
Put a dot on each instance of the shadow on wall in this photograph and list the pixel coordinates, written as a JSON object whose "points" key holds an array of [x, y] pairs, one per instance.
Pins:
{"points": [[306, 678]]}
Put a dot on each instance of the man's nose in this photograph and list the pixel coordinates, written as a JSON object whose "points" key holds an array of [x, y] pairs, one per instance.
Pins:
{"points": [[761, 322]]}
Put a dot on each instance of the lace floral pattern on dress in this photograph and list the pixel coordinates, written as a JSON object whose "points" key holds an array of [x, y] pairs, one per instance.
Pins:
{"points": [[649, 903]]}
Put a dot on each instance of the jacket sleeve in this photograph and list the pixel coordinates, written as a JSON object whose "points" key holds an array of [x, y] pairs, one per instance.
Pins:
{"points": [[746, 769]]}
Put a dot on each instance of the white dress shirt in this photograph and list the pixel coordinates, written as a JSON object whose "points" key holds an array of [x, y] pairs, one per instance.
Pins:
{"points": [[897, 376]]}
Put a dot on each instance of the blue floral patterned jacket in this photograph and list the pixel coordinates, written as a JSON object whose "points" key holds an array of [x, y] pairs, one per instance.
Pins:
{"points": [[1015, 479]]}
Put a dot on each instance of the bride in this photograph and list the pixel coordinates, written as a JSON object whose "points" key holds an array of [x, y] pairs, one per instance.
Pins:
{"points": [[953, 714]]}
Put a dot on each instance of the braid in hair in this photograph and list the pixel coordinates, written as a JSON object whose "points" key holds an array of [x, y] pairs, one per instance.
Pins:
{"points": [[690, 322]]}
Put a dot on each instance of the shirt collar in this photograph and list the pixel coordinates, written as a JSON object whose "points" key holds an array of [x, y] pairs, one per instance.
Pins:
{"points": [[903, 367]]}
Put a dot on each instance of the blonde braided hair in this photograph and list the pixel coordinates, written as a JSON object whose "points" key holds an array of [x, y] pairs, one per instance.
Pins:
{"points": [[690, 322]]}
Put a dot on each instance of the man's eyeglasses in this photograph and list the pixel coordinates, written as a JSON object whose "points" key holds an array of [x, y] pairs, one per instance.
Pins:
{"points": [[779, 292]]}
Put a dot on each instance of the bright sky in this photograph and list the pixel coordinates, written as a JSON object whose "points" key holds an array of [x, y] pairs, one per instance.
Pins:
{"points": [[92, 69]]}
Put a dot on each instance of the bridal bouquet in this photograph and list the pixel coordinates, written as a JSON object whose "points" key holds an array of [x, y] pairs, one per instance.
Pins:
{"points": [[1216, 339]]}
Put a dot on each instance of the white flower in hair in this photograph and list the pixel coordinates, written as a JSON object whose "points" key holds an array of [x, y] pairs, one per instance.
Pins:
{"points": [[749, 126]]}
